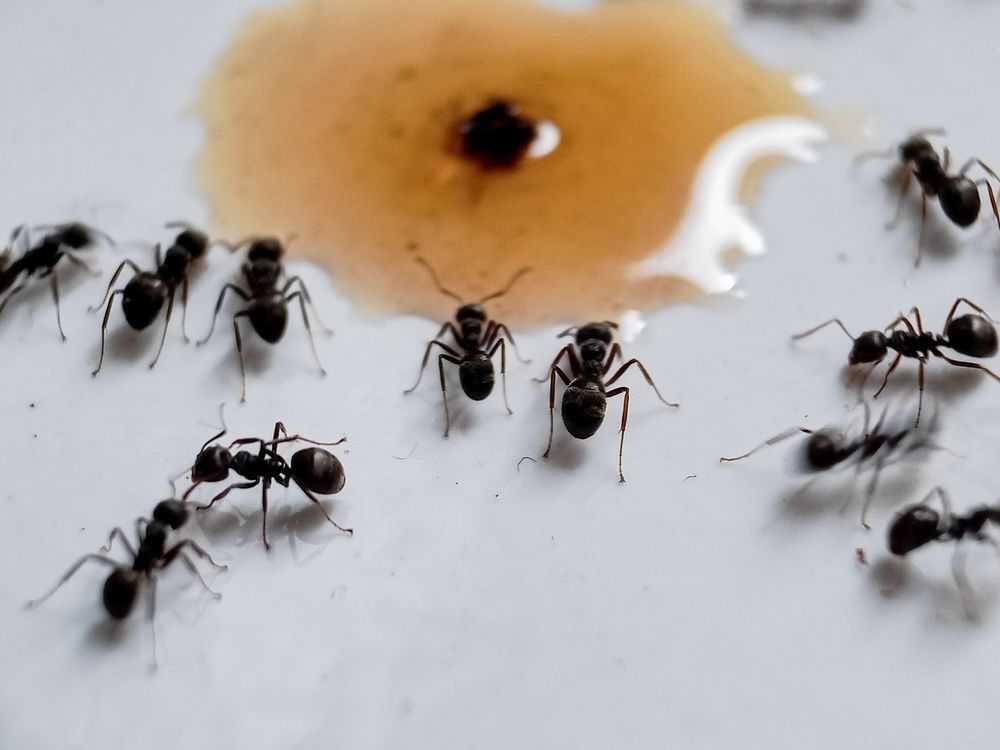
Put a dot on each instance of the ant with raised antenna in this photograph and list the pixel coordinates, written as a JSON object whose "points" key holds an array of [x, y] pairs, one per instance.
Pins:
{"points": [[919, 524], [585, 400], [145, 293], [267, 306], [61, 241], [478, 339], [123, 585], [957, 193], [971, 335], [314, 470], [830, 447]]}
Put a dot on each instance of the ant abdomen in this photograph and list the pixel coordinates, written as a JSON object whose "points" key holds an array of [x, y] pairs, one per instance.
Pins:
{"points": [[318, 470], [121, 589], [477, 376], [269, 318], [584, 405], [972, 335]]}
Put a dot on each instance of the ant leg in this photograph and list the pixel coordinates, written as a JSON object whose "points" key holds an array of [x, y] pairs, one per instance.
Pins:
{"points": [[104, 329], [645, 374], [114, 278], [869, 495], [218, 306], [906, 321], [920, 236], [501, 328], [574, 362], [944, 497], [904, 186], [621, 444], [230, 488], [920, 392], [10, 294], [993, 200], [885, 381], [970, 303], [442, 358], [79, 263], [69, 574], [427, 356], [152, 620], [316, 500], [239, 351], [972, 365], [305, 293], [556, 370], [791, 432], [166, 325], [263, 504], [184, 312], [962, 582], [501, 345], [54, 283], [811, 331], [616, 351], [177, 551], [117, 532], [305, 319]]}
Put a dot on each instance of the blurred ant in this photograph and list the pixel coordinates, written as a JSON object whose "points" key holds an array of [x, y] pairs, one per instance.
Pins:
{"points": [[498, 135], [478, 338], [60, 242], [918, 525], [957, 194], [877, 447], [145, 293], [122, 586], [971, 335], [314, 470], [585, 400], [268, 305]]}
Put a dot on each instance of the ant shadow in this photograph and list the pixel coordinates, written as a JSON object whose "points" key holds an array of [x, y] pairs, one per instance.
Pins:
{"points": [[945, 382], [801, 10]]}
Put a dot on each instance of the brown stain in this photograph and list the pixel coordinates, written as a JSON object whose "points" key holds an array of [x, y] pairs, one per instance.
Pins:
{"points": [[334, 121]]}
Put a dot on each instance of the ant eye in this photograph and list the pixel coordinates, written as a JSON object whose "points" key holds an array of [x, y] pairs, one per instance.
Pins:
{"points": [[870, 346]]}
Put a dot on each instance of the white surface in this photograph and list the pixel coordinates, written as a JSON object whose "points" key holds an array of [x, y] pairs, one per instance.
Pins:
{"points": [[477, 606]]}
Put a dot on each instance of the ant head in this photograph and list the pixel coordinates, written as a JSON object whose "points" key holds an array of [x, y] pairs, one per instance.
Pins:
{"points": [[175, 262], [269, 318], [173, 513], [142, 300], [212, 464], [869, 347], [915, 148], [594, 331], [121, 589], [498, 135], [972, 335], [265, 248], [913, 527], [474, 312], [318, 470], [195, 242], [76, 236], [960, 200], [824, 449]]}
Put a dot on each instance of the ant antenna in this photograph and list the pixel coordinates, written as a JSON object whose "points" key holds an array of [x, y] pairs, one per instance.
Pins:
{"points": [[222, 418], [437, 281], [517, 274]]}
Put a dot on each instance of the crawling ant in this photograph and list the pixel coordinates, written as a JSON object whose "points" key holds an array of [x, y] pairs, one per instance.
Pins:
{"points": [[585, 400], [60, 242], [971, 335], [919, 524], [145, 293], [829, 447], [314, 470], [122, 586], [957, 194], [498, 135], [478, 338], [268, 305]]}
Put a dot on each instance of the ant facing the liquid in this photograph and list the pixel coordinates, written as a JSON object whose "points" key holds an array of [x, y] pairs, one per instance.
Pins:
{"points": [[314, 470], [268, 305], [971, 335], [585, 400], [478, 338], [830, 447], [145, 293], [61, 241], [919, 525], [123, 585], [957, 194]]}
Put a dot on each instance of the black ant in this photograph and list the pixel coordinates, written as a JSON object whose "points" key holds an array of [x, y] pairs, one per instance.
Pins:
{"points": [[498, 135], [145, 293], [585, 400], [314, 470], [971, 335], [268, 305], [122, 586], [830, 447], [478, 338], [957, 194], [60, 241], [919, 524]]}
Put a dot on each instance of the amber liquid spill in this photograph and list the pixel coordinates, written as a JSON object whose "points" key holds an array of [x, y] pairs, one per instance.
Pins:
{"points": [[333, 121]]}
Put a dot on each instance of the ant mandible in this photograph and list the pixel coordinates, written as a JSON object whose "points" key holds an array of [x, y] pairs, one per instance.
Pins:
{"points": [[268, 305], [919, 524], [145, 293], [478, 338], [123, 585], [60, 242], [971, 335], [314, 470], [585, 400]]}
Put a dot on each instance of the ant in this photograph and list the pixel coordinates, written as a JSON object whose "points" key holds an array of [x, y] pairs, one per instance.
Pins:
{"points": [[268, 305], [971, 335], [920, 524], [478, 338], [122, 586], [145, 293], [498, 135], [61, 241], [314, 470], [584, 402], [957, 194], [830, 447]]}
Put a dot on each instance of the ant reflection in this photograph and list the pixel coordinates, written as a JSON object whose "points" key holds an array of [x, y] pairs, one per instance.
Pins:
{"points": [[843, 10]]}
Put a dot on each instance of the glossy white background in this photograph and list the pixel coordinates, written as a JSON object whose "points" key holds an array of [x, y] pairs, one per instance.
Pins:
{"points": [[478, 606]]}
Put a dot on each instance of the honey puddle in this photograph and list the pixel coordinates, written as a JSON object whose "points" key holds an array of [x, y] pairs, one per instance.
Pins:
{"points": [[340, 122]]}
